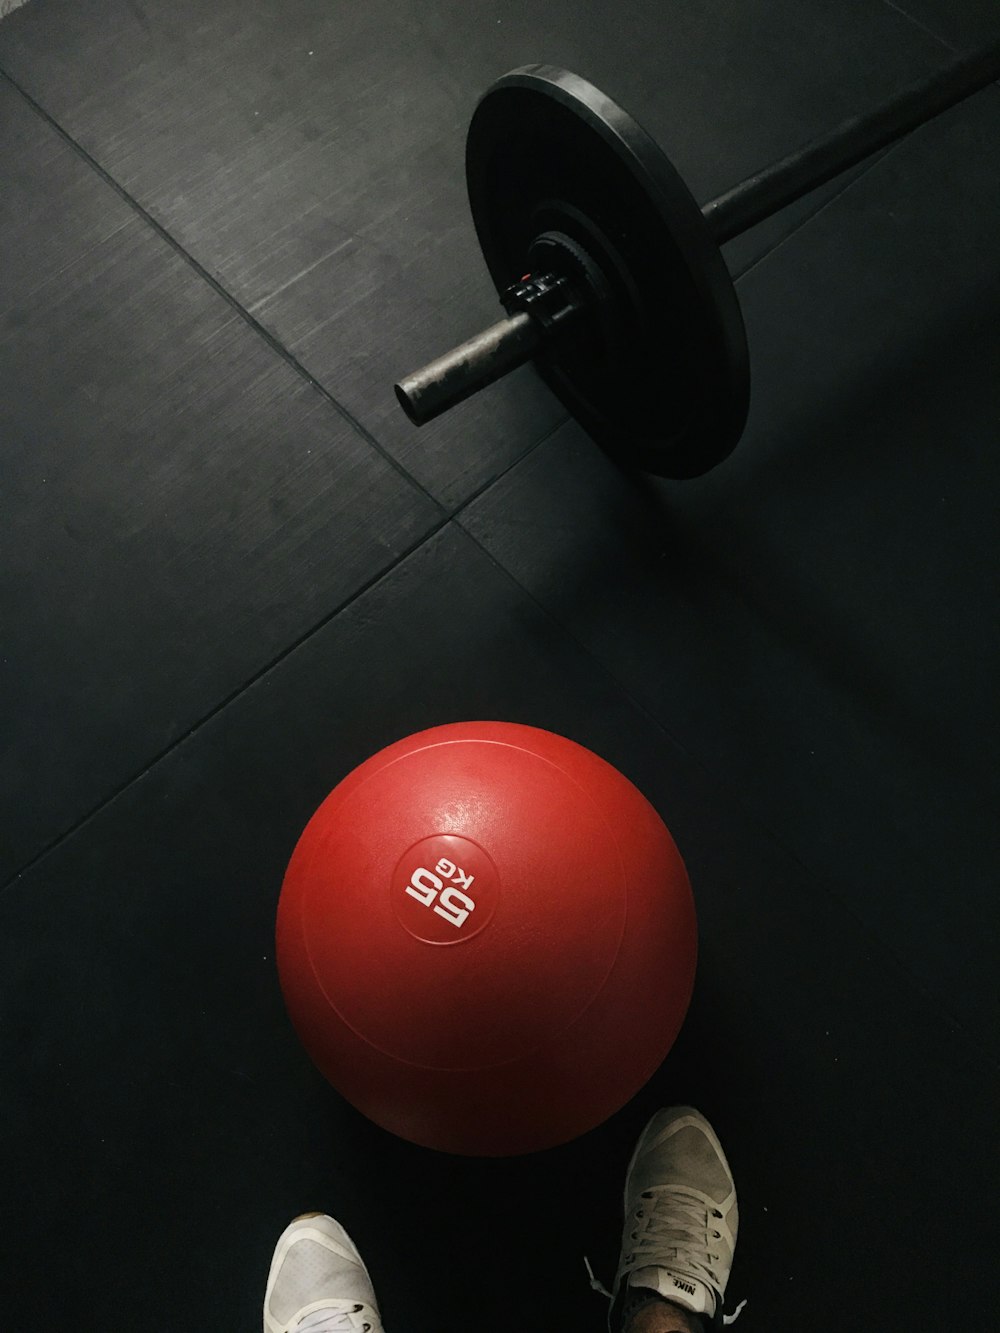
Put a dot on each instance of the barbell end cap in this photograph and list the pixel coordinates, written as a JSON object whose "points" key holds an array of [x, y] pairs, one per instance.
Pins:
{"points": [[409, 405]]}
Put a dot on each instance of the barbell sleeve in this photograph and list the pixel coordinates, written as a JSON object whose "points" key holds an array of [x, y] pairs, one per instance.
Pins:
{"points": [[462, 372]]}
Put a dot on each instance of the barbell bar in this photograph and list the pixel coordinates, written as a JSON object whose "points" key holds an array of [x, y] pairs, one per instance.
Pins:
{"points": [[611, 274]]}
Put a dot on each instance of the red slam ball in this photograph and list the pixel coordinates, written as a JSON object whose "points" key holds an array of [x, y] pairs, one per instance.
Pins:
{"points": [[486, 939]]}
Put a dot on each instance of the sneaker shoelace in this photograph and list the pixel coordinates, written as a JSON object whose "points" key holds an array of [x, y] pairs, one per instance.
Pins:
{"points": [[332, 1319], [679, 1220]]}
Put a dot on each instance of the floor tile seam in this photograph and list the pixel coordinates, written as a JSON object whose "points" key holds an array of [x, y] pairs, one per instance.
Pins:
{"points": [[384, 573], [460, 507], [256, 327], [727, 794], [232, 697], [918, 23]]}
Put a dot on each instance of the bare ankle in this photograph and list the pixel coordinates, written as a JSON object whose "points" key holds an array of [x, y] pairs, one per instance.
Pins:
{"points": [[663, 1317]]}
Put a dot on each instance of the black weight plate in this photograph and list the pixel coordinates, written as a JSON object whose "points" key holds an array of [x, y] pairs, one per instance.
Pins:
{"points": [[547, 151]]}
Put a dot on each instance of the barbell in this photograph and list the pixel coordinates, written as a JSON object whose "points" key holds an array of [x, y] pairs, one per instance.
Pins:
{"points": [[610, 273]]}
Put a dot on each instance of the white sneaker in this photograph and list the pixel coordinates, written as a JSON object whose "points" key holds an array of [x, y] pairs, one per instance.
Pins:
{"points": [[681, 1218], [318, 1282]]}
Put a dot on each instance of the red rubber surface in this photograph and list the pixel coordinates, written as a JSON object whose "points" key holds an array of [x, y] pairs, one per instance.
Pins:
{"points": [[537, 973]]}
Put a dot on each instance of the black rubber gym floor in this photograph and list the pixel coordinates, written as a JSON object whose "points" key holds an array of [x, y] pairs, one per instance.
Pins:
{"points": [[231, 570]]}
